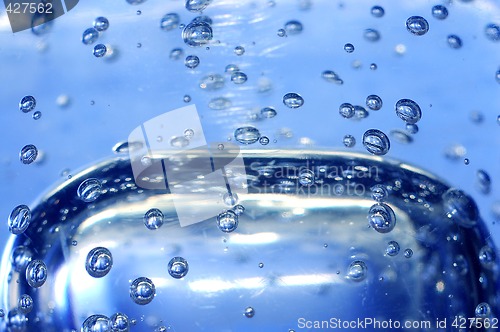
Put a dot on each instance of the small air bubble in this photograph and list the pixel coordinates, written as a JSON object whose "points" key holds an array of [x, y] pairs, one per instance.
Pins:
{"points": [[28, 154], [376, 142], [454, 41], [439, 12], [37, 115], [99, 50], [417, 25], [153, 219], [357, 271], [249, 312], [27, 104], [239, 50], [349, 48], [293, 27], [142, 291], [349, 141], [101, 23], [377, 11], [192, 61], [99, 262], [178, 267]]}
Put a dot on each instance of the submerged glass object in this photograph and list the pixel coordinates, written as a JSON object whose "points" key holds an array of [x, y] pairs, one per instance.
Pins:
{"points": [[314, 240]]}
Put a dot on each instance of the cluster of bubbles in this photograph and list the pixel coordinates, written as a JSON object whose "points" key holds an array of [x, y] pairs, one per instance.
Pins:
{"points": [[91, 35], [458, 206], [28, 104]]}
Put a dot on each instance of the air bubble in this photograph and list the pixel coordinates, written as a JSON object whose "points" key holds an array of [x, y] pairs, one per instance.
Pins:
{"points": [[357, 271], [371, 35], [349, 48], [264, 140], [142, 291], [417, 25], [99, 262], [239, 50], [306, 177], [28, 154], [439, 12], [376, 142], [239, 209], [202, 18], [483, 181], [179, 142], [377, 11], [230, 198], [360, 112], [99, 50], [249, 312], [268, 112], [373, 66], [153, 219], [27, 104], [20, 258], [349, 141], [37, 115], [101, 23], [483, 310], [379, 192], [492, 32], [176, 53], [382, 218], [231, 68], [96, 323], [488, 257], [119, 322], [188, 133], [197, 5], [25, 304], [192, 61], [412, 128], [408, 253], [392, 248], [374, 102], [89, 190], [227, 221], [186, 98], [178, 267], [346, 110], [401, 136], [170, 21], [90, 36], [19, 219], [36, 273], [281, 33], [454, 41], [197, 34], [247, 135], [332, 77], [293, 27], [238, 77], [408, 111], [460, 208]]}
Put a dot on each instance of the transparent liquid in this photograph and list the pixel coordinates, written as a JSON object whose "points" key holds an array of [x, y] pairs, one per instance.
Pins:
{"points": [[291, 256]]}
